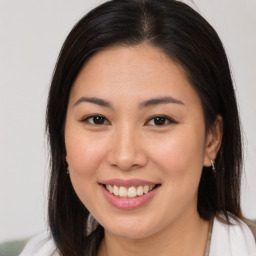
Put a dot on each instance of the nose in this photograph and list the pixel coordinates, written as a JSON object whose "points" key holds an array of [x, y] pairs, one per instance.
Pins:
{"points": [[126, 150]]}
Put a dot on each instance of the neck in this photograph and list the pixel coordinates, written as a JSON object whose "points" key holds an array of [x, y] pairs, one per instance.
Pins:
{"points": [[186, 236]]}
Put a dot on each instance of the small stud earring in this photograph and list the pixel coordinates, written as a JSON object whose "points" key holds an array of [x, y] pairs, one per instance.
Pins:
{"points": [[67, 170], [213, 166]]}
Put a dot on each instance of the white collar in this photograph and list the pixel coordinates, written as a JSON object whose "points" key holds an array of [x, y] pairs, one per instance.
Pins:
{"points": [[232, 240]]}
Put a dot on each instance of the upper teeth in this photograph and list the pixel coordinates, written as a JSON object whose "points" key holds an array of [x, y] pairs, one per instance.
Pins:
{"points": [[129, 192]]}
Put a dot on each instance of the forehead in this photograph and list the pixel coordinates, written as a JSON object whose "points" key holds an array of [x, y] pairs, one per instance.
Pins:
{"points": [[138, 71]]}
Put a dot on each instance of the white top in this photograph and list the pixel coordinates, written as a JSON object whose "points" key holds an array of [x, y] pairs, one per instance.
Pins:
{"points": [[232, 240], [226, 240]]}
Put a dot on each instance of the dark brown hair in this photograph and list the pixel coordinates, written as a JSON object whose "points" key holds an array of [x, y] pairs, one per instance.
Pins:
{"points": [[189, 40]]}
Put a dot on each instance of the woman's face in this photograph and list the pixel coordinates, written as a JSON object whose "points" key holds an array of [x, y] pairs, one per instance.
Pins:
{"points": [[135, 140]]}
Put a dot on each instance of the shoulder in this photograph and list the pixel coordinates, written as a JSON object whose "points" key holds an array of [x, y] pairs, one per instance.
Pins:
{"points": [[232, 240], [40, 245]]}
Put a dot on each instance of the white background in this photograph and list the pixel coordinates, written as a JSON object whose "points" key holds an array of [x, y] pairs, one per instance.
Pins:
{"points": [[31, 34]]}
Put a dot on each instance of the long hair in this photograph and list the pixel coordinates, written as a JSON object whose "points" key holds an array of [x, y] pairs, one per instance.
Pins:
{"points": [[187, 38]]}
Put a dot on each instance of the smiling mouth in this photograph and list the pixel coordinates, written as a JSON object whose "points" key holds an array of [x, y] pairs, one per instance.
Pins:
{"points": [[129, 192]]}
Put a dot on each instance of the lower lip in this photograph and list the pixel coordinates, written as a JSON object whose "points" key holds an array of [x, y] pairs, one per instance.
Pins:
{"points": [[128, 203]]}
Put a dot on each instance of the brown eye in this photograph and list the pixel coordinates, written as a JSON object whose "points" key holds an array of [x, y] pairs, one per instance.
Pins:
{"points": [[96, 120], [160, 121]]}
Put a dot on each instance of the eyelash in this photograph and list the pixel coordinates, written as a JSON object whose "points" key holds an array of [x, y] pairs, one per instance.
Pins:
{"points": [[103, 120], [161, 118], [86, 119]]}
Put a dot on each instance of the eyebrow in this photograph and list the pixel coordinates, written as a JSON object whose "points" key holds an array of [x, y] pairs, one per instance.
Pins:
{"points": [[161, 100], [94, 100], [147, 103]]}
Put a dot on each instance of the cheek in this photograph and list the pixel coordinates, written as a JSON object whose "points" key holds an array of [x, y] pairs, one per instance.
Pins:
{"points": [[181, 165], [84, 154], [179, 155]]}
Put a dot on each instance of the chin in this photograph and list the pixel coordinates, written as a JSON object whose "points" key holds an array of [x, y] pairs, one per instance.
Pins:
{"points": [[130, 230], [129, 234]]}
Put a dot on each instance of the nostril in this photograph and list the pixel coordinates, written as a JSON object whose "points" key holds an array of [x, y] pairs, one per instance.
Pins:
{"points": [[127, 163]]}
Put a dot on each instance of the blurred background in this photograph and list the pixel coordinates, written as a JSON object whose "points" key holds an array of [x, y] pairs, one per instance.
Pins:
{"points": [[31, 35]]}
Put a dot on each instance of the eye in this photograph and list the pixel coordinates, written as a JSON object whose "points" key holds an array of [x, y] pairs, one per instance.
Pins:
{"points": [[96, 120], [160, 121]]}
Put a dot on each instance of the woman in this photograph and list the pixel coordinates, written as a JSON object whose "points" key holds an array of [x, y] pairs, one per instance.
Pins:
{"points": [[145, 139]]}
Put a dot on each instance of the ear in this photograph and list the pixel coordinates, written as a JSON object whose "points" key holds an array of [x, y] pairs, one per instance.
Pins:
{"points": [[213, 141]]}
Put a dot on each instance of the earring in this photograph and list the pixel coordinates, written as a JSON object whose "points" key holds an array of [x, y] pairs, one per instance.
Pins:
{"points": [[67, 170], [213, 166]]}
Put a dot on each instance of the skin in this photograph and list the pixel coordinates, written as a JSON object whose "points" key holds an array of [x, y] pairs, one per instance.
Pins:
{"points": [[129, 145]]}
